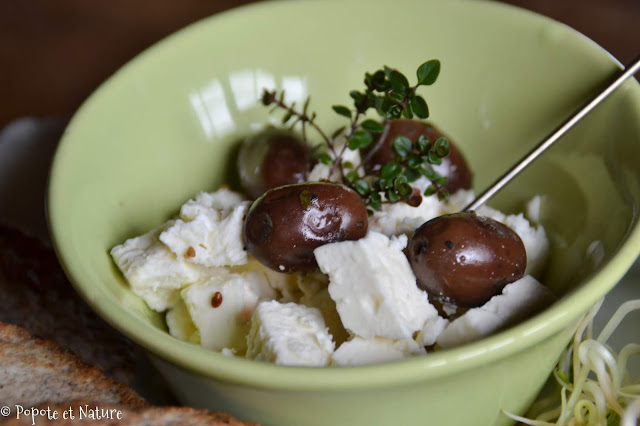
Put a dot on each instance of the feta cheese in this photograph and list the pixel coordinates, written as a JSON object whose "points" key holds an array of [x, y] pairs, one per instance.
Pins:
{"points": [[209, 231], [517, 301], [285, 285], [374, 287], [315, 294], [401, 218], [224, 320], [359, 351], [180, 324], [289, 334], [430, 331], [152, 271]]}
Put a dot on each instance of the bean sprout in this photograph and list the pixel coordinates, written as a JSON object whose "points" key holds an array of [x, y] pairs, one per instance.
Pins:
{"points": [[592, 381]]}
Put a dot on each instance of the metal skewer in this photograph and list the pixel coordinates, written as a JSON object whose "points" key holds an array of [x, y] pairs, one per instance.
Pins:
{"points": [[556, 134]]}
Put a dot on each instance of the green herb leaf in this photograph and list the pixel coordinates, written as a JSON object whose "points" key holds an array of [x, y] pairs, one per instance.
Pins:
{"points": [[419, 107], [287, 117], [394, 112], [430, 191], [399, 82], [423, 144], [352, 176], [414, 161], [324, 158], [399, 181], [306, 105], [434, 159], [360, 139], [404, 190], [441, 147], [372, 126], [428, 172], [342, 110], [390, 171], [441, 181], [406, 111], [362, 187], [385, 183], [347, 165], [380, 82], [337, 132], [402, 146], [428, 72], [392, 196], [412, 175]]}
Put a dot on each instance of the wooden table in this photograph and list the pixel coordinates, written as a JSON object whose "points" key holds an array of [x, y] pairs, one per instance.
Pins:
{"points": [[53, 54]]}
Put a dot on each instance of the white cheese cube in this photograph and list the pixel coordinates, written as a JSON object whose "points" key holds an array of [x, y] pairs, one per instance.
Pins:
{"points": [[374, 287], [430, 331], [315, 294], [359, 351], [152, 271], [221, 307], [209, 231], [180, 324], [285, 285], [518, 300], [289, 334]]}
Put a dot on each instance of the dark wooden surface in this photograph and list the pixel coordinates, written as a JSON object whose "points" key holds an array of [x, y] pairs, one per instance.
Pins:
{"points": [[54, 53]]}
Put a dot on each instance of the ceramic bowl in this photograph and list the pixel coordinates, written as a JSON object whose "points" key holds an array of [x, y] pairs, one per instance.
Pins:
{"points": [[163, 128]]}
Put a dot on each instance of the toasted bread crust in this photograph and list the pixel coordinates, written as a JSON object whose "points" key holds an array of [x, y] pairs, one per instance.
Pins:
{"points": [[36, 295], [125, 416], [33, 370]]}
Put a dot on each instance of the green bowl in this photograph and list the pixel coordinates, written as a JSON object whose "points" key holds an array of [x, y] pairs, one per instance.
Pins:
{"points": [[164, 126]]}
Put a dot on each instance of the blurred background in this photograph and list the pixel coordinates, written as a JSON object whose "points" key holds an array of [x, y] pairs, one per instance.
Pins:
{"points": [[54, 54]]}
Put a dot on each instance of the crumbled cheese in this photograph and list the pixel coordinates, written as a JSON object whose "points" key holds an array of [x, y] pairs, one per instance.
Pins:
{"points": [[227, 324], [374, 287], [315, 294], [430, 331], [517, 301], [152, 271], [285, 285], [359, 351], [289, 334], [180, 324], [209, 231]]}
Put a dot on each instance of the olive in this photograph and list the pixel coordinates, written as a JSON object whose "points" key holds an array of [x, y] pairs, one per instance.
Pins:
{"points": [[454, 167], [272, 158], [465, 259], [286, 224]]}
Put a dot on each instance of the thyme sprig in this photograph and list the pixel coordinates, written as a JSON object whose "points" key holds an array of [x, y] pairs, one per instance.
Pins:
{"points": [[389, 93]]}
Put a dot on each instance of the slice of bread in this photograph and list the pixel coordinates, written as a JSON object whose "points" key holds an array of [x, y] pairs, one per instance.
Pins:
{"points": [[86, 413], [33, 371], [36, 295]]}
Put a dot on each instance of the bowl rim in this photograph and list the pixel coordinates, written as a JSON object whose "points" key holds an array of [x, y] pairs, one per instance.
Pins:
{"points": [[561, 315]]}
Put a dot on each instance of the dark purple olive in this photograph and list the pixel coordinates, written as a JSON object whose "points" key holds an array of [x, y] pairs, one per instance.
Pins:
{"points": [[465, 259], [454, 167], [272, 158], [286, 224]]}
